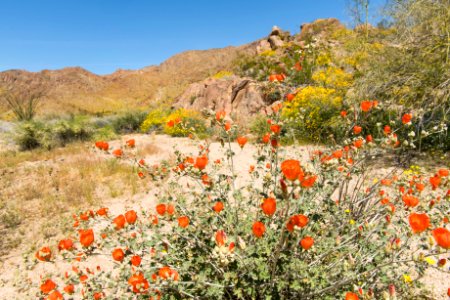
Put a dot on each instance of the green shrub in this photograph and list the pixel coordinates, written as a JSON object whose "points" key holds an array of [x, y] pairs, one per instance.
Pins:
{"points": [[129, 122], [28, 135]]}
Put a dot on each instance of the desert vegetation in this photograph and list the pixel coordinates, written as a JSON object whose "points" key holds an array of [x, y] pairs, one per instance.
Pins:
{"points": [[321, 171]]}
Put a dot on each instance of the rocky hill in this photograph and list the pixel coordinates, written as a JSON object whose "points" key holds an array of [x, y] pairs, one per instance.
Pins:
{"points": [[76, 90]]}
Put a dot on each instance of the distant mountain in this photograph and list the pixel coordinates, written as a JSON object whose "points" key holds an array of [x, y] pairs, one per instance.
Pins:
{"points": [[74, 89]]}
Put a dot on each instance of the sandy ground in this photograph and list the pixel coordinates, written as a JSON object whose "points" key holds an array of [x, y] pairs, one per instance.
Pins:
{"points": [[13, 272]]}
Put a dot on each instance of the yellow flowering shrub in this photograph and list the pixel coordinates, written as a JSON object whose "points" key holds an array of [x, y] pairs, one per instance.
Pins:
{"points": [[222, 74], [333, 77], [183, 122], [323, 59], [154, 120], [268, 53]]}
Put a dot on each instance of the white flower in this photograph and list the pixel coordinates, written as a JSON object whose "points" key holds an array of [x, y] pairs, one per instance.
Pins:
{"points": [[378, 124], [405, 143], [412, 134]]}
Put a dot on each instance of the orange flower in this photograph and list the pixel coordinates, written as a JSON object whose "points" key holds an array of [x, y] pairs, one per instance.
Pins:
{"points": [[406, 118], [298, 66], [435, 181], [357, 129], [307, 242], [170, 123], [220, 115], [66, 244], [131, 143], [118, 254], [258, 229], [337, 154], [218, 207], [183, 221], [297, 220], [201, 162], [227, 126], [443, 172], [55, 295], [291, 169], [419, 222], [102, 211], [366, 105], [136, 260], [44, 254], [410, 200], [170, 209], [168, 273], [161, 209], [69, 289], [290, 97], [308, 181], [442, 237], [343, 114], [131, 216], [221, 237], [351, 296], [358, 143], [117, 153], [269, 206], [98, 295], [86, 237], [102, 145], [387, 129], [48, 286], [119, 221], [242, 140], [369, 138], [275, 128], [138, 283], [266, 138]]}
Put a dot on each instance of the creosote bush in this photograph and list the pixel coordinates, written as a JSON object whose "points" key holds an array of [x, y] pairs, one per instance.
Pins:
{"points": [[286, 228]]}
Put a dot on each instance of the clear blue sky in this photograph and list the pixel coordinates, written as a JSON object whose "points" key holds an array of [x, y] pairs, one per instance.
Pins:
{"points": [[104, 35]]}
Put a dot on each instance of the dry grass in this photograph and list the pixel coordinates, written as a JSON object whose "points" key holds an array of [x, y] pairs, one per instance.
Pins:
{"points": [[41, 189]]}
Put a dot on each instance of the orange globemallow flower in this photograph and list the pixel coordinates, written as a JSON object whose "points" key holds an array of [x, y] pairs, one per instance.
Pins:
{"points": [[183, 221], [102, 211], [55, 295], [44, 254], [119, 222], [406, 118], [69, 289], [387, 129], [168, 273], [435, 181], [297, 221], [118, 254], [419, 222], [291, 169], [269, 206], [48, 286], [366, 105], [308, 181], [86, 237], [131, 143], [161, 209], [290, 97], [351, 296], [220, 115], [218, 207], [66, 244], [266, 138], [220, 237], [170, 209], [358, 143], [102, 145], [357, 129], [131, 216], [442, 237], [136, 260], [201, 162], [275, 128], [242, 140], [138, 282], [258, 229], [443, 172], [227, 126], [343, 113], [117, 153], [307, 242], [410, 200]]}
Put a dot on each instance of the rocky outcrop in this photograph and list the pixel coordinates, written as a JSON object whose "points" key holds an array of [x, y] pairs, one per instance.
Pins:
{"points": [[319, 29], [276, 39], [239, 97]]}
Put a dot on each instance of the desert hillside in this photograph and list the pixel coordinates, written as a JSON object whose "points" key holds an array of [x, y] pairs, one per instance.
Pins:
{"points": [[76, 90]]}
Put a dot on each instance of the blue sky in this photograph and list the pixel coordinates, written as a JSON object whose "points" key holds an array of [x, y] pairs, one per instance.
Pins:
{"points": [[104, 35]]}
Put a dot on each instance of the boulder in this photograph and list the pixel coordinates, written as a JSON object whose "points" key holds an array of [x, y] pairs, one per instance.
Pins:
{"points": [[320, 28], [275, 41], [239, 97], [263, 45]]}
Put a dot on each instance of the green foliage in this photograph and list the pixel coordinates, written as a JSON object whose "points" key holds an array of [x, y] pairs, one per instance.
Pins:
{"points": [[129, 122]]}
